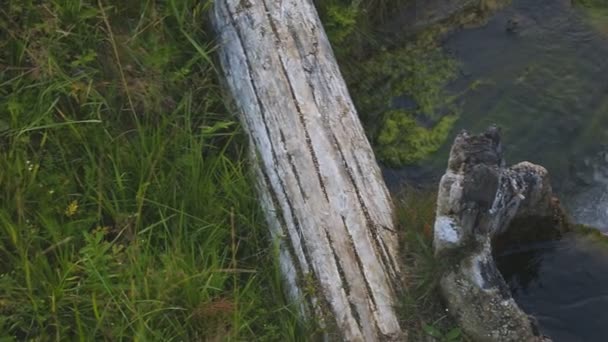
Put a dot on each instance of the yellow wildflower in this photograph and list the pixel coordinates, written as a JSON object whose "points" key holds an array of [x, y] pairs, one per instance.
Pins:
{"points": [[71, 209]]}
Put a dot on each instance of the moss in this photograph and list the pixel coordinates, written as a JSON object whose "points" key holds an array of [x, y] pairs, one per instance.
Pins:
{"points": [[347, 26], [340, 21], [401, 140], [597, 13], [351, 25], [591, 233], [418, 72], [378, 70]]}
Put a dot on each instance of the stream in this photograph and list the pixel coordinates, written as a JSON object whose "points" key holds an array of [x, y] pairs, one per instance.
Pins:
{"points": [[542, 75], [563, 285], [546, 86]]}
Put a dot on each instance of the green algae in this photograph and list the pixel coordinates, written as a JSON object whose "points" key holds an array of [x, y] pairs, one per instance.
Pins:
{"points": [[597, 13], [340, 21], [590, 233], [378, 70], [418, 72], [402, 140]]}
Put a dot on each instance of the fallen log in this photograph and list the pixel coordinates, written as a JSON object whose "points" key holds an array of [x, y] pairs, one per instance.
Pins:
{"points": [[319, 184]]}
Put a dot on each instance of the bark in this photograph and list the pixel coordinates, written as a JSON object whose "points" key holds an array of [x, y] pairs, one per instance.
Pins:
{"points": [[319, 184]]}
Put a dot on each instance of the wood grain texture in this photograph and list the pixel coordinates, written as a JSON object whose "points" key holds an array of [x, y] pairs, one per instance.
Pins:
{"points": [[318, 180]]}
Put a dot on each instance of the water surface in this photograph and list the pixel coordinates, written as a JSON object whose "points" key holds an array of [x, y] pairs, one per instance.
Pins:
{"points": [[546, 86], [544, 81], [563, 284]]}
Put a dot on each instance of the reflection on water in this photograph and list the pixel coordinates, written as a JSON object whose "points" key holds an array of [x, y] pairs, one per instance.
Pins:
{"points": [[564, 284]]}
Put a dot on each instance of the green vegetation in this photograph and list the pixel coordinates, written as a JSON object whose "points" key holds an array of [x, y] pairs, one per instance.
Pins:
{"points": [[127, 211], [419, 72], [423, 314], [127, 208], [378, 71], [402, 140], [597, 12], [340, 22], [589, 232], [351, 25]]}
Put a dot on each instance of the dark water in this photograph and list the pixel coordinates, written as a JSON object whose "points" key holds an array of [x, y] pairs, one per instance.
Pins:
{"points": [[564, 284], [546, 86]]}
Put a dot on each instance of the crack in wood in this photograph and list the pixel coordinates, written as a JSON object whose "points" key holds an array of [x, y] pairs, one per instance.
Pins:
{"points": [[288, 242], [309, 144], [381, 248], [293, 167], [303, 241], [274, 89], [345, 284], [368, 287]]}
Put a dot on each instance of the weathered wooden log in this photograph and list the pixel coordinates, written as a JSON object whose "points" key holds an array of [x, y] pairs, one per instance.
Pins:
{"points": [[319, 183]]}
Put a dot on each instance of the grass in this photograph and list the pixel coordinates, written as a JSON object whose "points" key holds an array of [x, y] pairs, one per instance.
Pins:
{"points": [[127, 209], [423, 314]]}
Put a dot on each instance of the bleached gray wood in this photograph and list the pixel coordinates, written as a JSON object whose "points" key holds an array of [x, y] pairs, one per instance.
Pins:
{"points": [[319, 183]]}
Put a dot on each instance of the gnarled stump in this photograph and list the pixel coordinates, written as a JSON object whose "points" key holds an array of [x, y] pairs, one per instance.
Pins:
{"points": [[320, 186], [478, 199]]}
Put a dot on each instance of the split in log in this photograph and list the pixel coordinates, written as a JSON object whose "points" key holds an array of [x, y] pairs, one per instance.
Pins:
{"points": [[319, 183]]}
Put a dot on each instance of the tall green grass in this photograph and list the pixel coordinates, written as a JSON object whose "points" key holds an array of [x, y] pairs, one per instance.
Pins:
{"points": [[422, 312], [126, 210]]}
